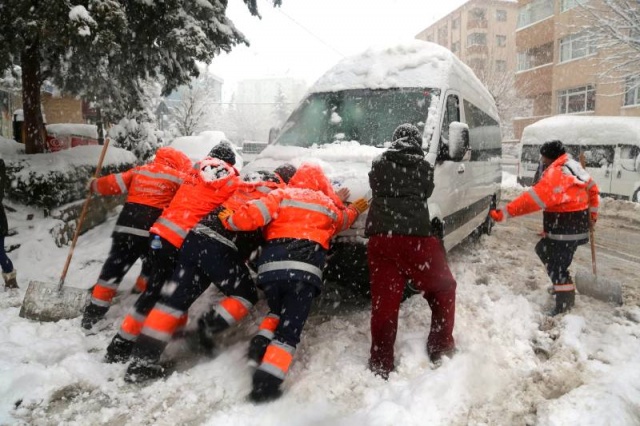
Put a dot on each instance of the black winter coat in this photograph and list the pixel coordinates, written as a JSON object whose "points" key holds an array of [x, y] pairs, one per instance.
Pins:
{"points": [[401, 181], [4, 226]]}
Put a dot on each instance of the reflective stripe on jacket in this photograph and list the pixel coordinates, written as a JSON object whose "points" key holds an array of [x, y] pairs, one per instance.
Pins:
{"points": [[566, 193], [303, 210], [193, 201]]}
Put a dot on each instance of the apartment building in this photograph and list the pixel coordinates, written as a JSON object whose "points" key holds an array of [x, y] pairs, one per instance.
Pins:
{"points": [[565, 67], [482, 34]]}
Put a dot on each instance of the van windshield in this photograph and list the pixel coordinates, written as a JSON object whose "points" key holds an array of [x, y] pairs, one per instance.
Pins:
{"points": [[366, 115]]}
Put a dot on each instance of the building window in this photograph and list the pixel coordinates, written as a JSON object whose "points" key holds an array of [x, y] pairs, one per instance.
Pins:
{"points": [[576, 46], [477, 14], [501, 40], [535, 11], [474, 39], [501, 15], [501, 66], [455, 24], [455, 47], [580, 99], [632, 90], [535, 57], [568, 4]]}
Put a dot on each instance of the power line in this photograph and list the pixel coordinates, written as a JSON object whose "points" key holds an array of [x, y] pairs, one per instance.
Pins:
{"points": [[279, 9]]}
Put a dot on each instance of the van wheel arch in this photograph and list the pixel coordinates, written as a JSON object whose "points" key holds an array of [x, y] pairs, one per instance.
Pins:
{"points": [[487, 225], [636, 196]]}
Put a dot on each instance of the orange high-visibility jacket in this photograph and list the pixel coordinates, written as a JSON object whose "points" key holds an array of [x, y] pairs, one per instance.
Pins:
{"points": [[216, 181], [307, 209], [567, 194], [152, 184]]}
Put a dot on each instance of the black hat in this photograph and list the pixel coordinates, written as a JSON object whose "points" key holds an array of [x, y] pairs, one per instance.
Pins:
{"points": [[552, 149], [408, 133], [285, 171], [224, 152]]}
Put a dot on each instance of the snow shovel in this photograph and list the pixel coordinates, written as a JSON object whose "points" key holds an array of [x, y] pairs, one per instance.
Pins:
{"points": [[51, 301], [590, 284]]}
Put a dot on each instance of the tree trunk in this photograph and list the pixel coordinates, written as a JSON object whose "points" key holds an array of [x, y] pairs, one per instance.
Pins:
{"points": [[33, 130]]}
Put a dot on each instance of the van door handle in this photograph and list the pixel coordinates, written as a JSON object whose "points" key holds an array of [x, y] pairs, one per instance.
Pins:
{"points": [[607, 173], [461, 169], [619, 174]]}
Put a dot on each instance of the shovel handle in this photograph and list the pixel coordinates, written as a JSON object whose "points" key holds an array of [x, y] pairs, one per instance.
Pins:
{"points": [[592, 234], [85, 207]]}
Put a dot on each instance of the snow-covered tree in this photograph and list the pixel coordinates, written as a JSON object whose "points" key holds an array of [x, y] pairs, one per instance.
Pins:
{"points": [[281, 109], [194, 111], [102, 50], [614, 26]]}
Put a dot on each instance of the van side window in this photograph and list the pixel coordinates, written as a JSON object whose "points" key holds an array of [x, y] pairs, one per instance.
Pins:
{"points": [[451, 114], [485, 139], [598, 155], [629, 152]]}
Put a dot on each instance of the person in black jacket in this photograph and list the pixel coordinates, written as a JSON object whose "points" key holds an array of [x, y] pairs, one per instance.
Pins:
{"points": [[8, 271], [403, 247]]}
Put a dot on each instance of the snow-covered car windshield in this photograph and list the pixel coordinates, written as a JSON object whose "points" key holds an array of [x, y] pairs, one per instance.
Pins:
{"points": [[366, 115]]}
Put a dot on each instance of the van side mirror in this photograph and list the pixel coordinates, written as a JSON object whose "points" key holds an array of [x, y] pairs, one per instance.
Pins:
{"points": [[458, 140], [273, 134]]}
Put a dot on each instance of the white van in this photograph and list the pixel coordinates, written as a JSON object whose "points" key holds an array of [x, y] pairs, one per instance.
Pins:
{"points": [[611, 148], [350, 113]]}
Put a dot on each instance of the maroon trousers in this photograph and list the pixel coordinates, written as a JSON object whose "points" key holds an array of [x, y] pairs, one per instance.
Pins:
{"points": [[392, 261]]}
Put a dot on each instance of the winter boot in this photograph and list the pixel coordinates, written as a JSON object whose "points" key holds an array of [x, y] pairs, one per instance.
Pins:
{"points": [[10, 279], [209, 325], [257, 348], [381, 369], [119, 350], [92, 314], [266, 387], [141, 370], [564, 302]]}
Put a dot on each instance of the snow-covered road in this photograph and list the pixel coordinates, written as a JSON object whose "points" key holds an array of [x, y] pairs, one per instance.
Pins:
{"points": [[515, 366]]}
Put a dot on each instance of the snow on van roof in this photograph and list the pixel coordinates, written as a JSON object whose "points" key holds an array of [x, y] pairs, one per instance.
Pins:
{"points": [[197, 147], [582, 129], [414, 63]]}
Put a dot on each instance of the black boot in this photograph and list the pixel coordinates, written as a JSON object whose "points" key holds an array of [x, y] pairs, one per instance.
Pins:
{"points": [[257, 348], [119, 350], [266, 387], [141, 370], [564, 302], [92, 314], [208, 326]]}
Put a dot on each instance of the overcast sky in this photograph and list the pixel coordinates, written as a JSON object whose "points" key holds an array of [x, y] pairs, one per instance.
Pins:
{"points": [[303, 38]]}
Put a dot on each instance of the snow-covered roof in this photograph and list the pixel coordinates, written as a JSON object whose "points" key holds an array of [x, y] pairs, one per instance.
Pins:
{"points": [[584, 130], [86, 130], [414, 63]]}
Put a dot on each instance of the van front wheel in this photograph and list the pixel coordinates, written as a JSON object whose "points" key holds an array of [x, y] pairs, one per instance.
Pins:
{"points": [[636, 196]]}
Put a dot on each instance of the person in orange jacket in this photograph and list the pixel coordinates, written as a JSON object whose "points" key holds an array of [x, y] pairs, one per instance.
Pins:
{"points": [[208, 189], [149, 190], [298, 222], [210, 254], [570, 200]]}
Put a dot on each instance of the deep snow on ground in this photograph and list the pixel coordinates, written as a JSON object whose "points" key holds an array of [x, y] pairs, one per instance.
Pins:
{"points": [[515, 365]]}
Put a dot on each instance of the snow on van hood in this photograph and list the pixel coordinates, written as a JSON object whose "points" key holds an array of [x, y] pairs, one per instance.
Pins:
{"points": [[345, 163], [415, 63], [585, 130]]}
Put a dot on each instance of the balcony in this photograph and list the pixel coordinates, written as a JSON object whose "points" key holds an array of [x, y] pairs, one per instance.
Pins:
{"points": [[535, 81], [473, 24]]}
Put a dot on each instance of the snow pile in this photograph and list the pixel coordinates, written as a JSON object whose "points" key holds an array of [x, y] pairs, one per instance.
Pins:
{"points": [[85, 130]]}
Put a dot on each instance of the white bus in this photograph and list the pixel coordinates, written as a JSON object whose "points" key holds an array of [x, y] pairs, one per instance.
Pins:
{"points": [[611, 148]]}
